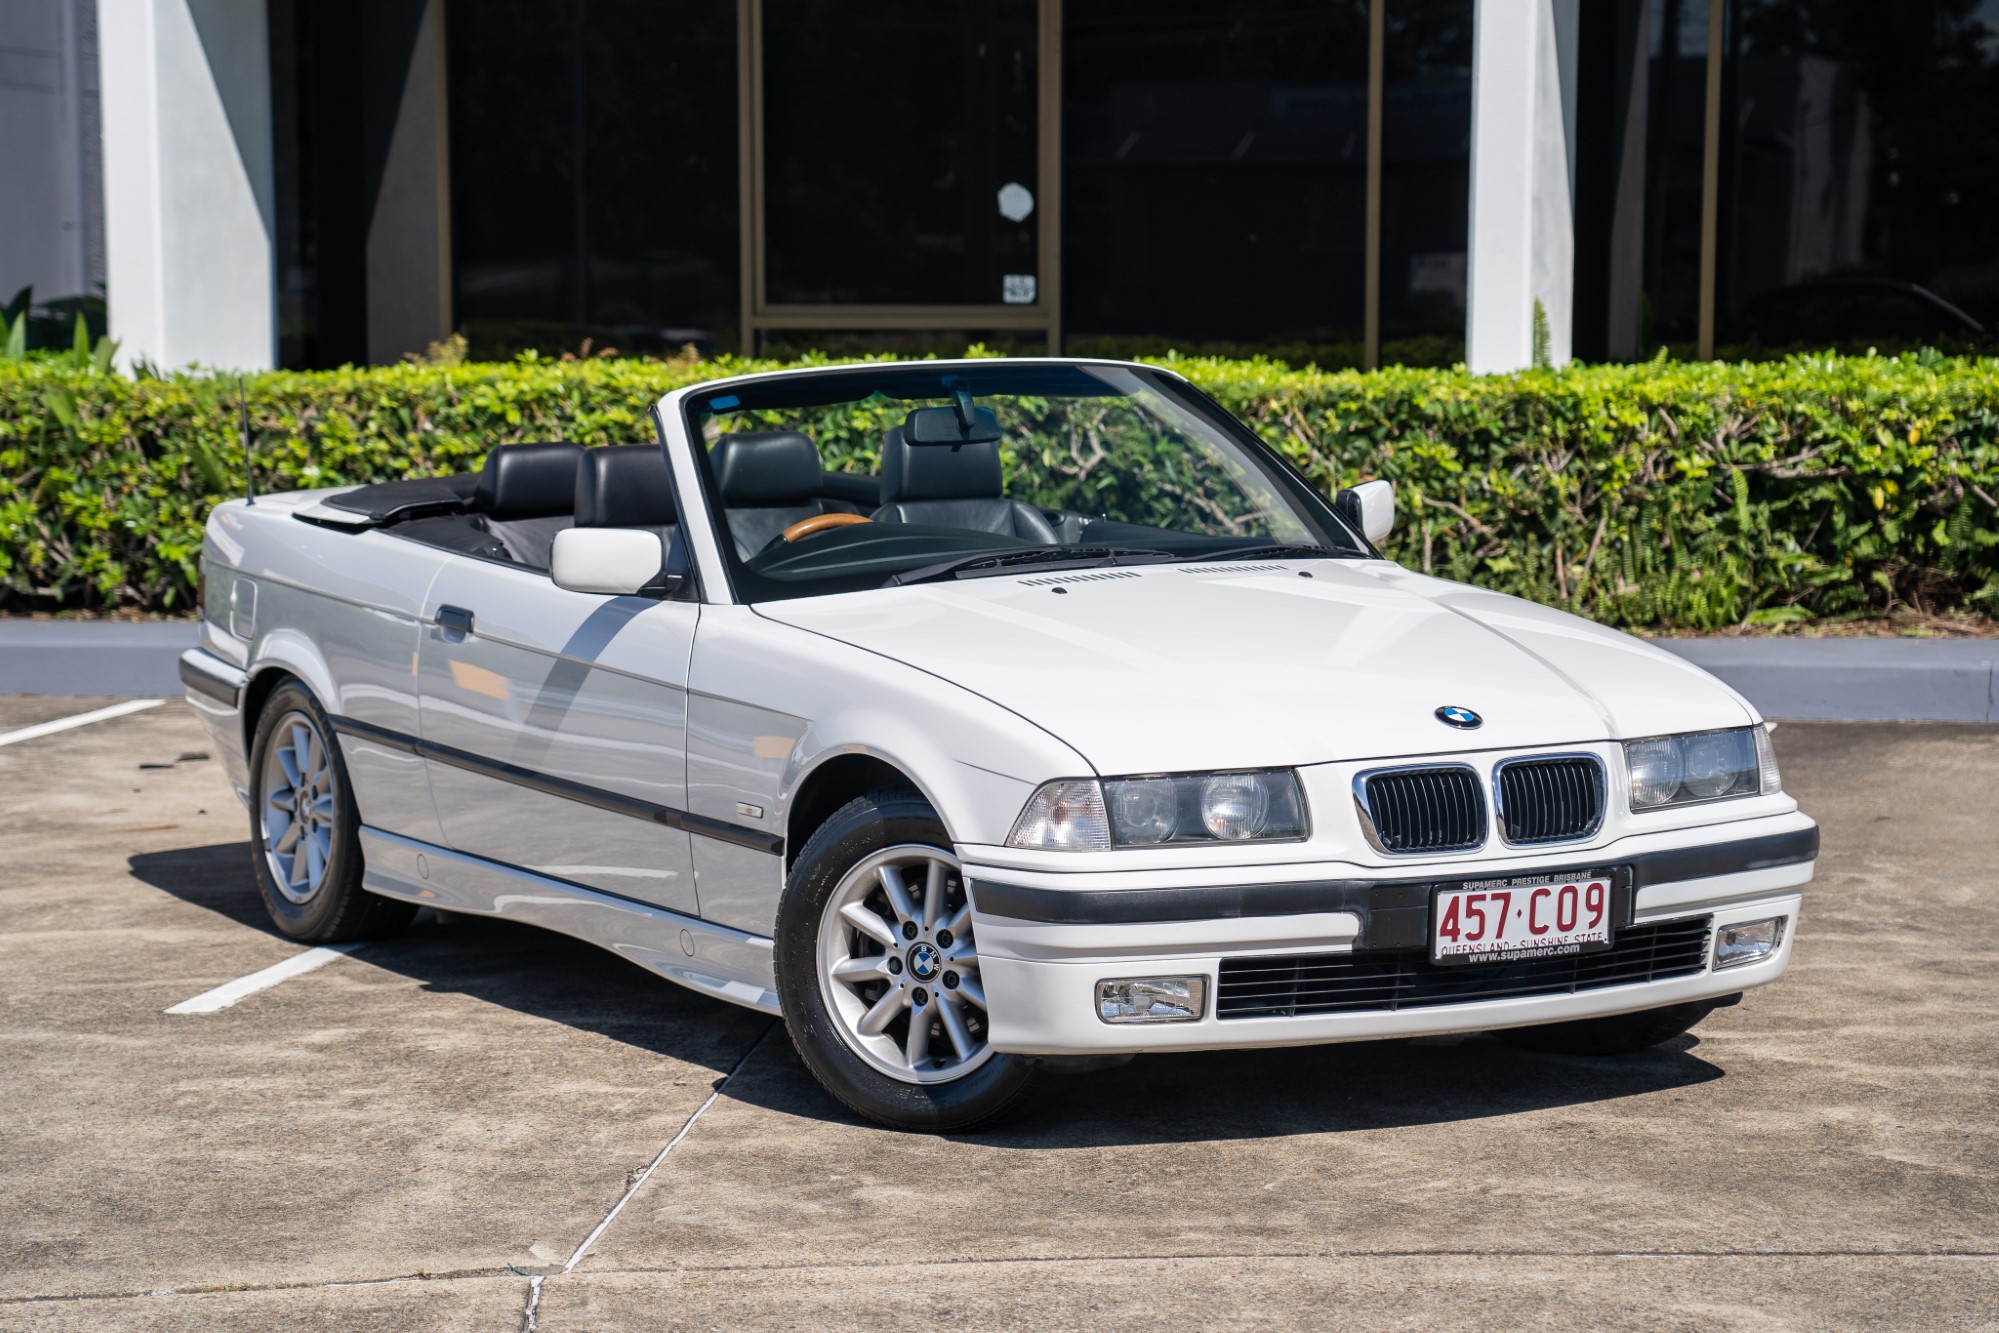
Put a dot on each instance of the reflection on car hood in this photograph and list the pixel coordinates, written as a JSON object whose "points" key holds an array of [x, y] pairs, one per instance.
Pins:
{"points": [[1182, 667]]}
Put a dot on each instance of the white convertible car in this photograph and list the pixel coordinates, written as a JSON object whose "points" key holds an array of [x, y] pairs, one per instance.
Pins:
{"points": [[1080, 726]]}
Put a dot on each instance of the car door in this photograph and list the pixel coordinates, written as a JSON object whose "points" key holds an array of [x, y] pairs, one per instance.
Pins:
{"points": [[555, 725]]}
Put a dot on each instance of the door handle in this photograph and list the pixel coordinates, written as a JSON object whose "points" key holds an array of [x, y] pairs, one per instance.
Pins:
{"points": [[454, 620]]}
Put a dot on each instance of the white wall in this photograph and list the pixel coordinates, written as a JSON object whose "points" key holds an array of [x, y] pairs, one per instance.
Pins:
{"points": [[1522, 181], [51, 197], [189, 194]]}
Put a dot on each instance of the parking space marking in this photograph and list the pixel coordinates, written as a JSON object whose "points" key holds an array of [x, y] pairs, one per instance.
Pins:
{"points": [[79, 720], [296, 966]]}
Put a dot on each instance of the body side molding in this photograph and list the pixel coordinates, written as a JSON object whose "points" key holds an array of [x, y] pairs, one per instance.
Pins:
{"points": [[701, 825]]}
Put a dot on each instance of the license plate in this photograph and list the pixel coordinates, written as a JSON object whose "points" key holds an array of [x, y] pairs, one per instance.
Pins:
{"points": [[1530, 920]]}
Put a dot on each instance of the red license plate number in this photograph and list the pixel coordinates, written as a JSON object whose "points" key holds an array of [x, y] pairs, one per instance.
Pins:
{"points": [[1521, 920]]}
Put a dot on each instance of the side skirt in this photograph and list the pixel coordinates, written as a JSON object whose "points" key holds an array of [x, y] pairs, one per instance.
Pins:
{"points": [[715, 960]]}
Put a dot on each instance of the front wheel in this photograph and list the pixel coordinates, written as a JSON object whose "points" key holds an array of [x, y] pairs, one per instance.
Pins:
{"points": [[878, 972], [306, 830], [1619, 1034]]}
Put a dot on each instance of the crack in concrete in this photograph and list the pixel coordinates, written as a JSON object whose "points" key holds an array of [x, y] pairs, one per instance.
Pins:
{"points": [[671, 1144]]}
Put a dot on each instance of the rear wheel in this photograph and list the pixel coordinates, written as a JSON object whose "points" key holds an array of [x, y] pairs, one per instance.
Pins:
{"points": [[878, 972], [1619, 1034], [304, 829]]}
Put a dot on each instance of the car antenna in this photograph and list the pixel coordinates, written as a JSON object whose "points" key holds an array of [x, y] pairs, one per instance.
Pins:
{"points": [[243, 428]]}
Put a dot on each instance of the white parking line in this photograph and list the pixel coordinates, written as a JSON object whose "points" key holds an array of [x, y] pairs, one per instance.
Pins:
{"points": [[296, 966], [79, 720]]}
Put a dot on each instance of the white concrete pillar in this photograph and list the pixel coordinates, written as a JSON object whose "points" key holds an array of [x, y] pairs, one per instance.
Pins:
{"points": [[189, 188], [1522, 181]]}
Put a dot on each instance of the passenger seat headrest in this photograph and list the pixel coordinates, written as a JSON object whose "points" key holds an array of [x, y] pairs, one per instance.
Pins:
{"points": [[938, 471], [528, 480], [624, 486], [764, 468]]}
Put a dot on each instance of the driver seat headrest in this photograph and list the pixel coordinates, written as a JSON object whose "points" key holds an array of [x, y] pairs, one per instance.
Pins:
{"points": [[938, 471], [624, 486], [527, 480]]}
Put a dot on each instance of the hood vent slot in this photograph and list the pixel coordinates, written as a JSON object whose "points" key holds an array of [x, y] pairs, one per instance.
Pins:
{"points": [[1231, 569], [1096, 577]]}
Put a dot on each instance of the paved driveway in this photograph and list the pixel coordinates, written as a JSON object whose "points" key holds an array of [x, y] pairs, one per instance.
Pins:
{"points": [[433, 1132]]}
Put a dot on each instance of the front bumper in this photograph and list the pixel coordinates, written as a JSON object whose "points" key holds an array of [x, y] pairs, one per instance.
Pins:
{"points": [[1040, 975]]}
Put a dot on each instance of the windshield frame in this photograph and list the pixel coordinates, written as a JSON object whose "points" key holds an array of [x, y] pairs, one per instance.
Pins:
{"points": [[687, 409]]}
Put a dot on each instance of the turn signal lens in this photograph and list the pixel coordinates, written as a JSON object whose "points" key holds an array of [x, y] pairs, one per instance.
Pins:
{"points": [[1766, 761], [1064, 816], [1152, 999], [1747, 942]]}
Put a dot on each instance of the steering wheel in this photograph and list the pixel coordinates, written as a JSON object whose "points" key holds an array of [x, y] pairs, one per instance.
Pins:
{"points": [[805, 527]]}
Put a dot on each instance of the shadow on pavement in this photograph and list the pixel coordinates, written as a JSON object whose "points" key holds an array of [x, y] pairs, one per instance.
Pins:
{"points": [[1160, 1099]]}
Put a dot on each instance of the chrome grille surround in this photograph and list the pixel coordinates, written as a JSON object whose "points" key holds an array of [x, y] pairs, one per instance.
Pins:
{"points": [[1421, 809], [1551, 800]]}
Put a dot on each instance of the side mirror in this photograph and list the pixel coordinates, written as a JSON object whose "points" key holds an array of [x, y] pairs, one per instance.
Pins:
{"points": [[609, 560], [1370, 507]]}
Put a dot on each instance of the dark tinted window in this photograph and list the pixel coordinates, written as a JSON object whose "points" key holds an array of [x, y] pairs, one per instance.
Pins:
{"points": [[900, 152], [1425, 180], [1859, 143], [593, 164], [1214, 176]]}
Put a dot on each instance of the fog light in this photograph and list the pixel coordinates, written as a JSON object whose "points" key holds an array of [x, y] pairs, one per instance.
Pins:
{"points": [[1747, 942], [1152, 999]]}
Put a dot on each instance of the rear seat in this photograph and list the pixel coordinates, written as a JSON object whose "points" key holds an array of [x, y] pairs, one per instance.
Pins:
{"points": [[527, 494]]}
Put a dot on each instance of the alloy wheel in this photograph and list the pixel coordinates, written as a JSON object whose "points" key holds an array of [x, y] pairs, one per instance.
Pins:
{"points": [[297, 811], [899, 969]]}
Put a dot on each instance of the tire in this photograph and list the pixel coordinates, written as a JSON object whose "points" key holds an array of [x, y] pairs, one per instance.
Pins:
{"points": [[333, 906], [893, 1077], [1619, 1034]]}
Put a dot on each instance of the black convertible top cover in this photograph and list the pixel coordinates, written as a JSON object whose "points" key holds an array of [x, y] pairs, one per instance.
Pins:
{"points": [[388, 501]]}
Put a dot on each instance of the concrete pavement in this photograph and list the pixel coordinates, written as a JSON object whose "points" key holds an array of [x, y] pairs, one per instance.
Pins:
{"points": [[445, 1117]]}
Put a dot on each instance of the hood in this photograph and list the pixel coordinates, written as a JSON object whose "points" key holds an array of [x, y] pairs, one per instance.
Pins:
{"points": [[1182, 667]]}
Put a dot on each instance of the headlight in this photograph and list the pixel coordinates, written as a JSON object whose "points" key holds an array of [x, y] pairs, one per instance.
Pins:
{"points": [[1699, 766], [1080, 814]]}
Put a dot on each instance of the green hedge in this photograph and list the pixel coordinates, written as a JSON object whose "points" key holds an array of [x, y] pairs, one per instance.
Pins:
{"points": [[1662, 494]]}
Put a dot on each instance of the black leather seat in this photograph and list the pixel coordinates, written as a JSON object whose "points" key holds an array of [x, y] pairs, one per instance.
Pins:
{"points": [[625, 486], [769, 480], [527, 494], [953, 486]]}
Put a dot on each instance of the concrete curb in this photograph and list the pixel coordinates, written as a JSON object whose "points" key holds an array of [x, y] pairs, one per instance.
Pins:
{"points": [[117, 657], [1856, 680], [1840, 680]]}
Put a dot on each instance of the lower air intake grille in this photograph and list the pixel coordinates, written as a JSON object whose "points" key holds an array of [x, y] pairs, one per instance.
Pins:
{"points": [[1424, 809], [1550, 800], [1338, 983]]}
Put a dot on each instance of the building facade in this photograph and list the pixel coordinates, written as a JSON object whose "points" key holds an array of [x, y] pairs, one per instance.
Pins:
{"points": [[1346, 182]]}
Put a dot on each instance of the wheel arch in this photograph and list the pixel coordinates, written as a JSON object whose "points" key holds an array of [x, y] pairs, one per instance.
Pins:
{"points": [[832, 783], [284, 655]]}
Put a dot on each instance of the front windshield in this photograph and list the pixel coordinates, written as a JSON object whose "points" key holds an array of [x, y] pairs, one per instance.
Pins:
{"points": [[838, 481]]}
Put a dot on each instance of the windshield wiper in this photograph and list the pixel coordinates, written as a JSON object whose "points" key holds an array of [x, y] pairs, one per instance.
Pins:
{"points": [[1280, 551], [999, 562]]}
